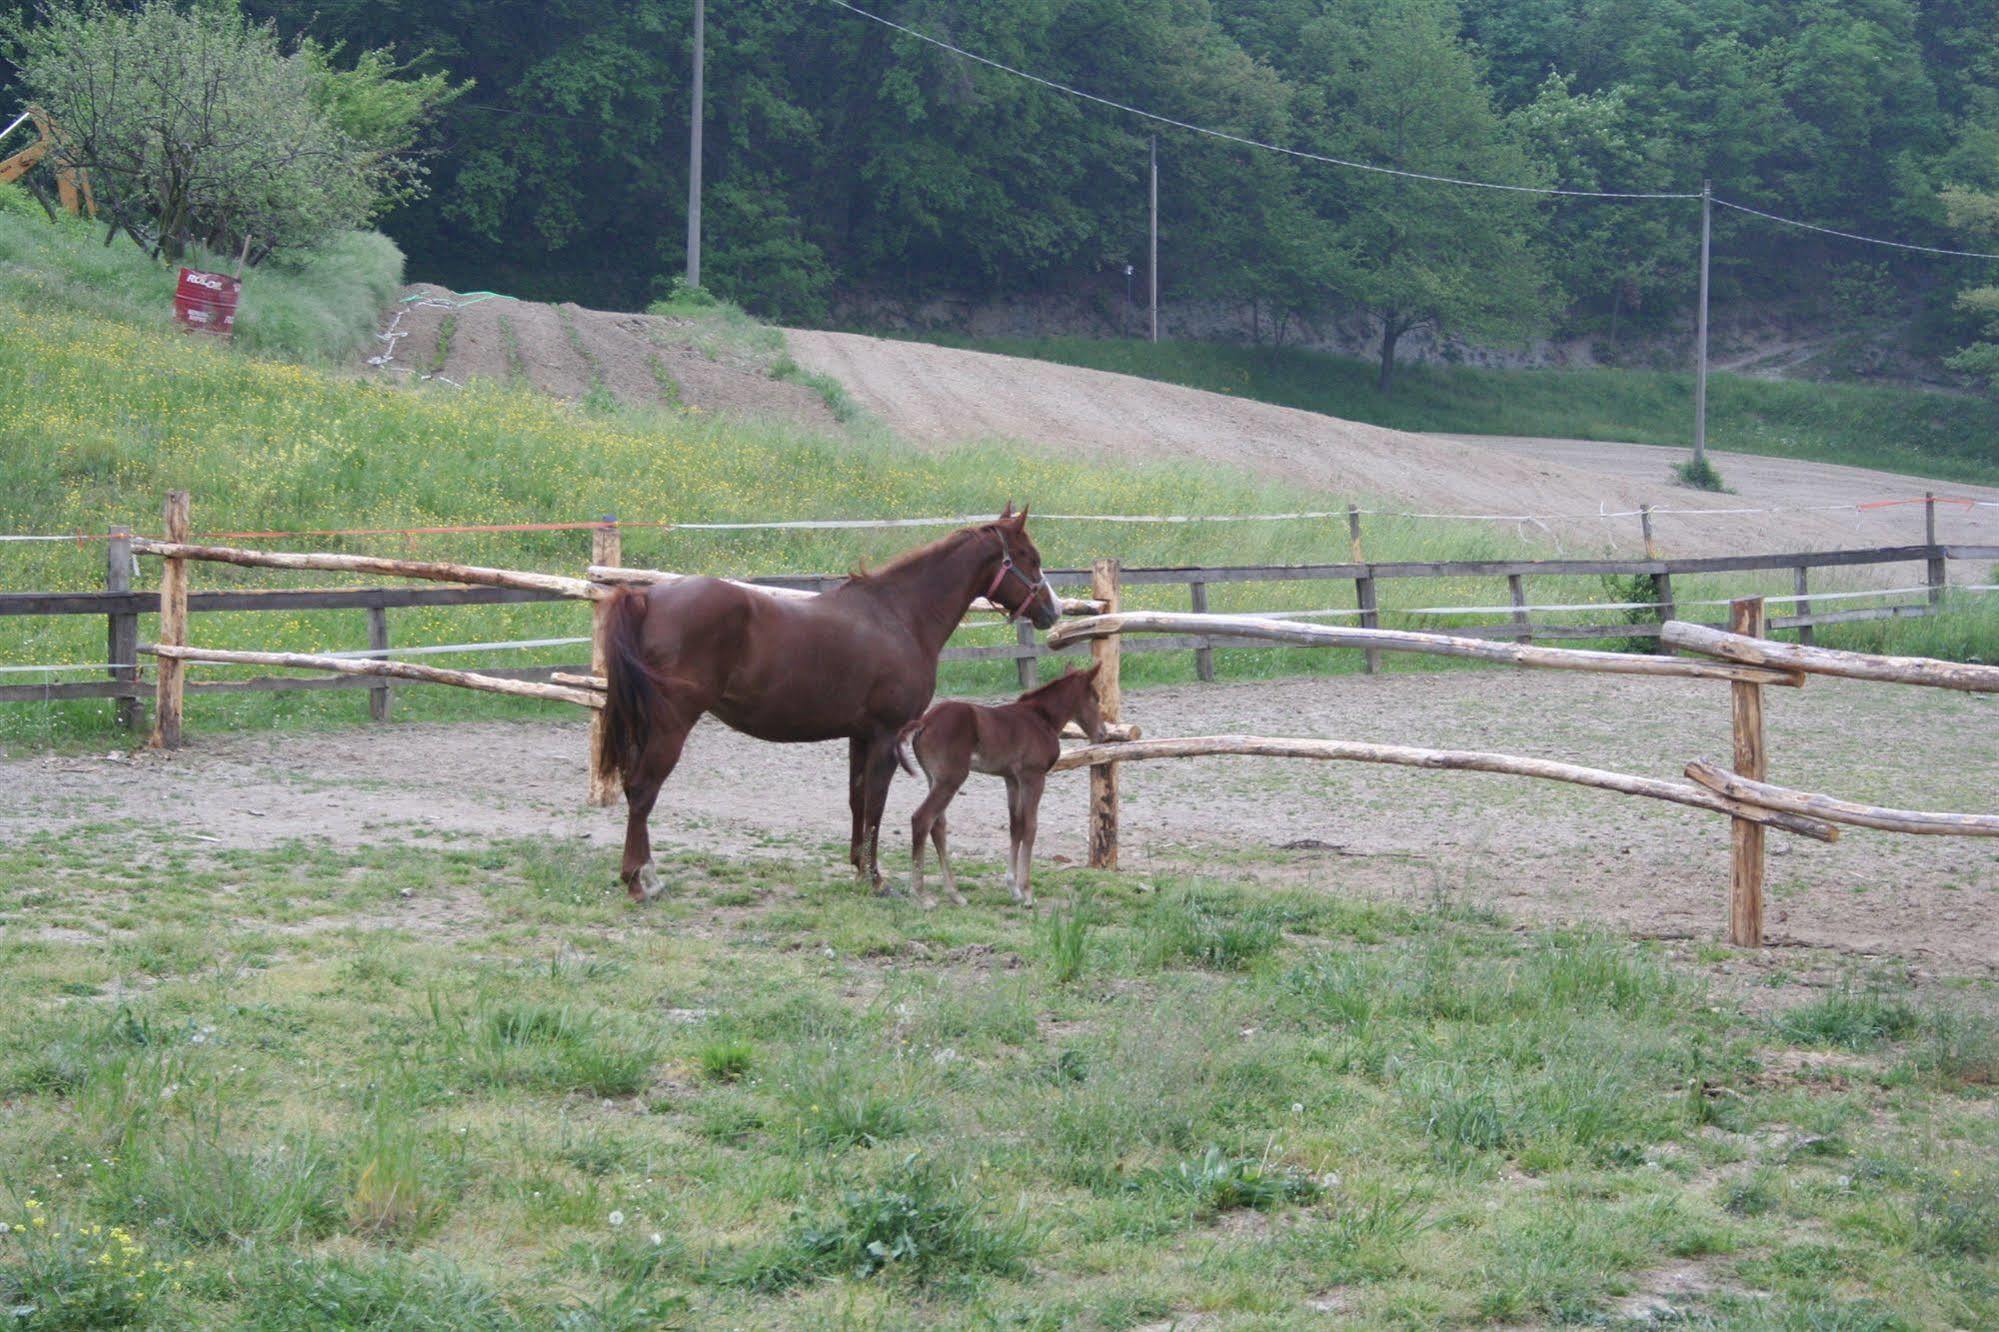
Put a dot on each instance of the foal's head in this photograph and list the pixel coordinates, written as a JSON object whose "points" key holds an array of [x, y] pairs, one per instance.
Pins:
{"points": [[1072, 697], [1018, 583]]}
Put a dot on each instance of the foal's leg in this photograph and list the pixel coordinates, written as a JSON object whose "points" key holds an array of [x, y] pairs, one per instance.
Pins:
{"points": [[641, 791], [944, 859], [1030, 814], [1013, 835]]}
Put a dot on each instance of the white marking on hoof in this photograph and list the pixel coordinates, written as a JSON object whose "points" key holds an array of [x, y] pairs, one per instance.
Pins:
{"points": [[649, 884]]}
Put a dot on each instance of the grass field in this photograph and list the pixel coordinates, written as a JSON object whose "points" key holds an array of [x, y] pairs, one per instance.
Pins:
{"points": [[1945, 436], [442, 1084]]}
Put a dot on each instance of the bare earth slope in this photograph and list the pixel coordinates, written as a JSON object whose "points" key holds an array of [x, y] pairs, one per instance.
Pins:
{"points": [[941, 396], [567, 351]]}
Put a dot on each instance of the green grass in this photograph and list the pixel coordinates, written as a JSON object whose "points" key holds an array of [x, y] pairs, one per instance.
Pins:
{"points": [[1415, 1117], [1946, 436], [320, 306]]}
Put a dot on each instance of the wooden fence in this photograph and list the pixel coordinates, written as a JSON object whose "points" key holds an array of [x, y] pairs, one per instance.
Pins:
{"points": [[1743, 658], [121, 606]]}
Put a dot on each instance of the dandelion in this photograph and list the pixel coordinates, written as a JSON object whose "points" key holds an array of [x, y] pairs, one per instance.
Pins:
{"points": [[617, 1219], [657, 1239]]}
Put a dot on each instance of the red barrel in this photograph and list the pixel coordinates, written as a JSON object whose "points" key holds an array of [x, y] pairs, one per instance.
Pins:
{"points": [[206, 302]]}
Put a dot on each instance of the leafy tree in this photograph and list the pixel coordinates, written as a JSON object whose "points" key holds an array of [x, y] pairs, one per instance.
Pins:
{"points": [[1389, 82], [199, 127], [1975, 213]]}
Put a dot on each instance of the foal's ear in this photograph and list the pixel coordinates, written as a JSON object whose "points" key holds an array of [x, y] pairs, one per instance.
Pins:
{"points": [[1006, 513], [1095, 666], [1020, 519]]}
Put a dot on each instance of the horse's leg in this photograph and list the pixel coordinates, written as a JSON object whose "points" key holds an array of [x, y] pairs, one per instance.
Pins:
{"points": [[641, 791], [857, 762], [877, 771], [1030, 813], [937, 830], [928, 822], [1013, 833]]}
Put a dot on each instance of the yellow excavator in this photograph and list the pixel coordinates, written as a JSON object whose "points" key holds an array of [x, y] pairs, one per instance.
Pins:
{"points": [[72, 185]]}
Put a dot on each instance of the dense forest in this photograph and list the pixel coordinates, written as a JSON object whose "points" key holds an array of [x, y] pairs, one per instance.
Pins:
{"points": [[845, 157]]}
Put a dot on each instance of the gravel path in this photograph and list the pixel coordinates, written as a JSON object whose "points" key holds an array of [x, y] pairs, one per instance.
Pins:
{"points": [[1533, 850]]}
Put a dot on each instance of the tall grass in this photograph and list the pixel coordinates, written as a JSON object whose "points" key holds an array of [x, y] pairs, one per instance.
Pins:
{"points": [[1947, 436], [319, 306]]}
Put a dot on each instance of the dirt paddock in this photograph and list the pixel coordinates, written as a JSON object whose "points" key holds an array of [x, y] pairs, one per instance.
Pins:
{"points": [[1532, 850]]}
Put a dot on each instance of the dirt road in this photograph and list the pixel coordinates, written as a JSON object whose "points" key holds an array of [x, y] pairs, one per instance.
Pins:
{"points": [[942, 396], [1533, 850]]}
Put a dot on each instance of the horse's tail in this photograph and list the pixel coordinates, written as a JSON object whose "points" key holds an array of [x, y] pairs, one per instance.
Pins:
{"points": [[905, 745], [634, 700]]}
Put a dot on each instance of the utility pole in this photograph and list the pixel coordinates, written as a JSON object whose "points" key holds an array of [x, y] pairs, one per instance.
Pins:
{"points": [[1153, 265], [1700, 333], [694, 148]]}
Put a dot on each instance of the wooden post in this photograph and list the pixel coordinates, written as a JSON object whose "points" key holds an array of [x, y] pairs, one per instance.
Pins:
{"points": [[1516, 587], [1025, 666], [1204, 656], [1662, 584], [1363, 589], [1745, 889], [171, 674], [1106, 653], [378, 641], [605, 549], [1801, 584], [1937, 574], [121, 638]]}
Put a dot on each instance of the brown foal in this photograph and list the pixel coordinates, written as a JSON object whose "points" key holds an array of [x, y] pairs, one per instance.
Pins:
{"points": [[854, 663], [1018, 741]]}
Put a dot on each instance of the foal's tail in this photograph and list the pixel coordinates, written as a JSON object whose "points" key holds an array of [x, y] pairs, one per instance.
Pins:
{"points": [[636, 697], [905, 746]]}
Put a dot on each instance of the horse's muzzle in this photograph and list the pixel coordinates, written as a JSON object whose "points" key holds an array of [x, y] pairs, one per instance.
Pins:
{"points": [[1043, 610]]}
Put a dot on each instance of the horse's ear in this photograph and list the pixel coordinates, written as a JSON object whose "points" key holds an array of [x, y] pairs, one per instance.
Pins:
{"points": [[1095, 666], [1007, 512], [1020, 519]]}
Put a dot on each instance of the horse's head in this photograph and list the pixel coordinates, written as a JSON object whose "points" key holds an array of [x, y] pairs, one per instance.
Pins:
{"points": [[1018, 583]]}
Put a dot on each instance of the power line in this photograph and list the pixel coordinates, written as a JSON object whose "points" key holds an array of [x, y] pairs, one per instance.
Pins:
{"points": [[1852, 235], [1227, 137]]}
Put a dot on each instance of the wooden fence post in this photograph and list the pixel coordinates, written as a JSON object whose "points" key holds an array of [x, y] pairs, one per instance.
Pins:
{"points": [[171, 674], [1516, 589], [1937, 574], [1204, 656], [1801, 584], [1662, 583], [1026, 668], [1363, 589], [606, 548], [121, 637], [379, 696], [1745, 887], [1106, 653]]}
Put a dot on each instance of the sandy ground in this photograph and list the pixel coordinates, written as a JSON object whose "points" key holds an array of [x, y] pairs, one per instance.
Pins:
{"points": [[941, 396], [1533, 850]]}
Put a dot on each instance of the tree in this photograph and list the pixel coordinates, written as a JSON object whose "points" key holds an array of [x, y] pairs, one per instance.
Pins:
{"points": [[1975, 214], [198, 127], [1388, 82]]}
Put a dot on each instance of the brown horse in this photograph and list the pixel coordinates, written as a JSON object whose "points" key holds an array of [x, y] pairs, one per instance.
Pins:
{"points": [[854, 663], [1019, 741]]}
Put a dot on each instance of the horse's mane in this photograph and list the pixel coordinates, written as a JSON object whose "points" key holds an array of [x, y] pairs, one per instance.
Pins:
{"points": [[860, 573]]}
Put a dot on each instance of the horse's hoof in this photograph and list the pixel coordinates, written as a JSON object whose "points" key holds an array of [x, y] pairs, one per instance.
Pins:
{"points": [[646, 887]]}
